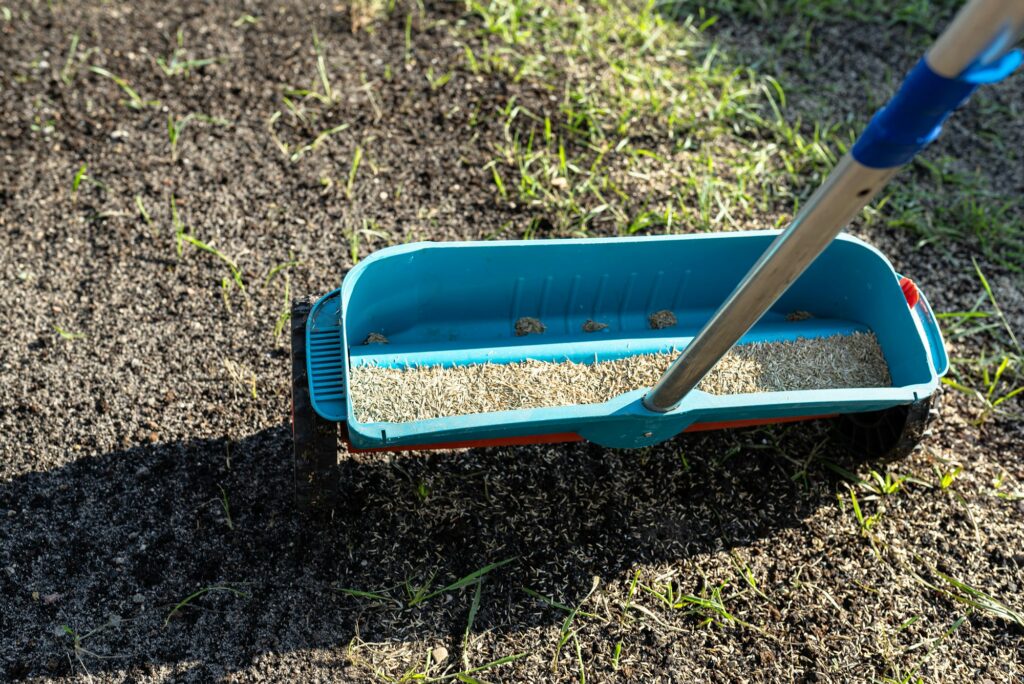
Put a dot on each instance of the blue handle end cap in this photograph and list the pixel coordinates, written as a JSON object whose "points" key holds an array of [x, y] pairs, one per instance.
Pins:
{"points": [[914, 116]]}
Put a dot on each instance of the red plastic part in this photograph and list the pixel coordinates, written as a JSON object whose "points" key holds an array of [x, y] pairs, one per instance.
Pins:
{"points": [[557, 438], [910, 291], [729, 424], [561, 437]]}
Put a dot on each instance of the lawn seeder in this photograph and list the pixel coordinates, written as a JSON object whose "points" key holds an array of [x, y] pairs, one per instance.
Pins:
{"points": [[590, 301]]}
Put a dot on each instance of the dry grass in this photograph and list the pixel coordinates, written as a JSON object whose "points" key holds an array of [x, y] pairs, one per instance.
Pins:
{"points": [[381, 394]]}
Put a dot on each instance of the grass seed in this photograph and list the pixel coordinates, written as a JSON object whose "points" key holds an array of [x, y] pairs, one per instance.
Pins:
{"points": [[384, 394]]}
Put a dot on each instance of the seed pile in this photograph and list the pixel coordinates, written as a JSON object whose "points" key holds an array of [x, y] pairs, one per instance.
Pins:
{"points": [[403, 395]]}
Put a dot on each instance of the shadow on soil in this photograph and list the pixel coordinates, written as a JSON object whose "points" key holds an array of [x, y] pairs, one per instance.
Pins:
{"points": [[115, 542]]}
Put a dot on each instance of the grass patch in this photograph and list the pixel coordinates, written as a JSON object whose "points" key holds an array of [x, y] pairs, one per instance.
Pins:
{"points": [[659, 128], [943, 204], [994, 375], [727, 155]]}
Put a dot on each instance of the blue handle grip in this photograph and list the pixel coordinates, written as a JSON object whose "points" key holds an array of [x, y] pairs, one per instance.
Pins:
{"points": [[915, 114]]}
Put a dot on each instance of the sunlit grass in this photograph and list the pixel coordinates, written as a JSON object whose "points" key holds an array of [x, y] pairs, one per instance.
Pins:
{"points": [[728, 156]]}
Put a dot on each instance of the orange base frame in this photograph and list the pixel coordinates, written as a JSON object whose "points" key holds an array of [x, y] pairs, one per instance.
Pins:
{"points": [[561, 437]]}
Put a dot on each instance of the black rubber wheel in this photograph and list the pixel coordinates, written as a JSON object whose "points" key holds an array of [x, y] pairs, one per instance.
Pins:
{"points": [[314, 439], [886, 435]]}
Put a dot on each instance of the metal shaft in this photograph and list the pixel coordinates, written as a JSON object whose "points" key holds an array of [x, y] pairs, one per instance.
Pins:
{"points": [[843, 194], [983, 30]]}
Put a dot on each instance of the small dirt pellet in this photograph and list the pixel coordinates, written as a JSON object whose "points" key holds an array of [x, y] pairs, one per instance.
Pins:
{"points": [[385, 394]]}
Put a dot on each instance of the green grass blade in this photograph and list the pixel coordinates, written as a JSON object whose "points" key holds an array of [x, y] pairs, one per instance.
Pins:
{"points": [[191, 597], [468, 579]]}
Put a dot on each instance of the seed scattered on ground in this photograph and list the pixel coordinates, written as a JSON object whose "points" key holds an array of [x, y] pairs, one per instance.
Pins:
{"points": [[799, 316], [594, 326], [375, 338], [527, 325], [662, 319], [382, 394]]}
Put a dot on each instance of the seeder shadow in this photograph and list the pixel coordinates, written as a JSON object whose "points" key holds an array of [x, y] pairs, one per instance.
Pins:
{"points": [[117, 541]]}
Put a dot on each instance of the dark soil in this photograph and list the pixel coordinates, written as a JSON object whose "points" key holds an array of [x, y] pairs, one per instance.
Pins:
{"points": [[144, 447]]}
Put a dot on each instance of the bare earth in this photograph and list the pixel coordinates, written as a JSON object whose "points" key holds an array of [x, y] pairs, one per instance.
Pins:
{"points": [[147, 531]]}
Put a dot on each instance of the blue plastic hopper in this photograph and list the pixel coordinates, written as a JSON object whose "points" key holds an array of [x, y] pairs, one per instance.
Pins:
{"points": [[457, 303]]}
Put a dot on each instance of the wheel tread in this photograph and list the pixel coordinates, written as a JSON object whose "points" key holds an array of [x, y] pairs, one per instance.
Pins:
{"points": [[315, 439], [887, 435]]}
